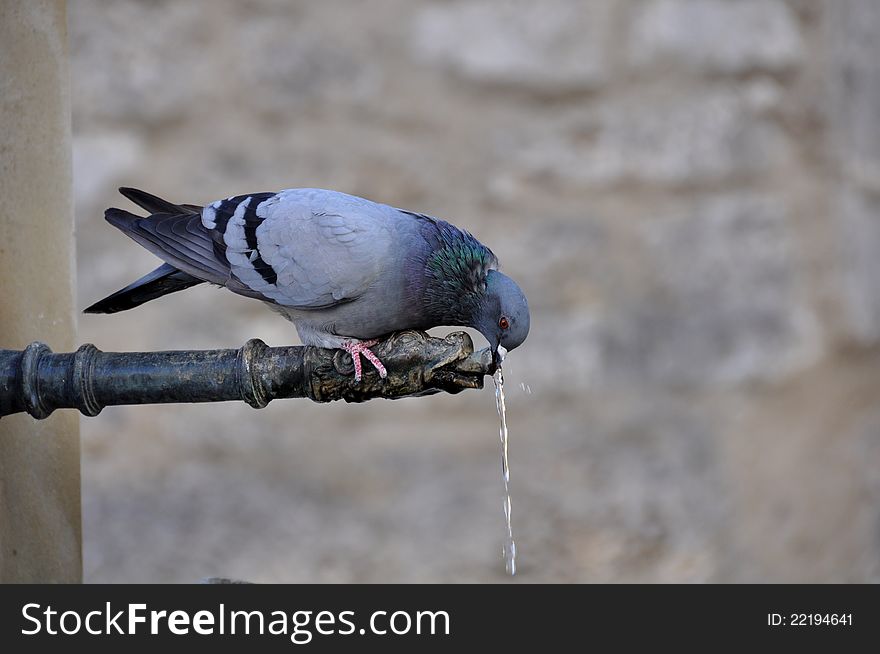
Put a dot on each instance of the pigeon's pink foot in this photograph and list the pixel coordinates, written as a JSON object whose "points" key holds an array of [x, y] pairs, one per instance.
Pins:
{"points": [[355, 349]]}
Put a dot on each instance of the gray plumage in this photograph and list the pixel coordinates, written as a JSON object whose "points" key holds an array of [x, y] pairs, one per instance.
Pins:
{"points": [[338, 266]]}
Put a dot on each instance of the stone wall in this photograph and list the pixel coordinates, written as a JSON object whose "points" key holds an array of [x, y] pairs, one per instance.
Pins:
{"points": [[687, 191]]}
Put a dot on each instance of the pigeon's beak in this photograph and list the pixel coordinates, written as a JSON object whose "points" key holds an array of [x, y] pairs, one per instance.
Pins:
{"points": [[498, 355]]}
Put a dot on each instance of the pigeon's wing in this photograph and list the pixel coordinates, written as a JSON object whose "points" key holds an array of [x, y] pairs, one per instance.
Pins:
{"points": [[177, 239], [303, 248], [308, 249]]}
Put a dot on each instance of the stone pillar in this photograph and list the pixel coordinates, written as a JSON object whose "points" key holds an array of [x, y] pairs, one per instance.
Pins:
{"points": [[40, 527]]}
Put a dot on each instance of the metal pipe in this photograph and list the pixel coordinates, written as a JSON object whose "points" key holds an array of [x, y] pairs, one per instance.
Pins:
{"points": [[38, 381]]}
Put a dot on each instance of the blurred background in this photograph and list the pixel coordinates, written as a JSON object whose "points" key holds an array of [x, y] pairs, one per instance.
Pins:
{"points": [[688, 192]]}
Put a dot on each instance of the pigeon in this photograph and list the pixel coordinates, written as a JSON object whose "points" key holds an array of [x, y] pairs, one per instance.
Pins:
{"points": [[345, 270]]}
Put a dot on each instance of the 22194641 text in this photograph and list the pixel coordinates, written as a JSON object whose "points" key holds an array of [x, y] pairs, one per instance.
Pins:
{"points": [[809, 619]]}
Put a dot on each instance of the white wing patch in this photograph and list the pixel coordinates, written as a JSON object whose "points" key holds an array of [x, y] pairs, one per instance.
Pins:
{"points": [[209, 215]]}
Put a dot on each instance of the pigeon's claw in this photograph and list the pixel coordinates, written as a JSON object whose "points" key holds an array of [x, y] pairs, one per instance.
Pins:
{"points": [[372, 358], [356, 348]]}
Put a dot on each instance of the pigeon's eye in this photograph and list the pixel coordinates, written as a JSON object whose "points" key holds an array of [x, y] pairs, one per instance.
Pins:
{"points": [[503, 323]]}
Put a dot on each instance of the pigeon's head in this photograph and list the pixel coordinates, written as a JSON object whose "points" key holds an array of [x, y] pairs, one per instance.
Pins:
{"points": [[503, 315]]}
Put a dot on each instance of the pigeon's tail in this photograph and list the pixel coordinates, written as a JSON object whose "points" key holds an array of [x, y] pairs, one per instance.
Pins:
{"points": [[155, 204], [163, 280]]}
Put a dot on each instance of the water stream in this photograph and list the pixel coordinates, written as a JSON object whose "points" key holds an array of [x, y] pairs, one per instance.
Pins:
{"points": [[509, 549]]}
